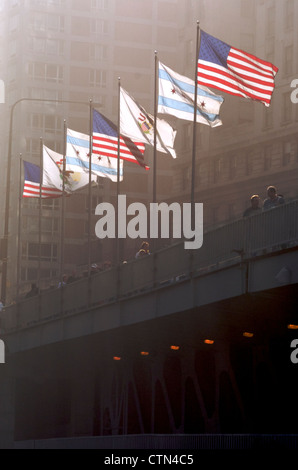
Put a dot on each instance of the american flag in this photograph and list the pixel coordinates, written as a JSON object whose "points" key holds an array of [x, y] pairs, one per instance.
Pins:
{"points": [[32, 178], [234, 71], [105, 142]]}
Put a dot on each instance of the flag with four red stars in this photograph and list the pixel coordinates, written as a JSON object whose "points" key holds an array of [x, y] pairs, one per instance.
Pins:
{"points": [[177, 96]]}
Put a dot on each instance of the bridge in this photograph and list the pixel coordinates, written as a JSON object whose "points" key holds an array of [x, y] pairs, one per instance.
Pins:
{"points": [[179, 343]]}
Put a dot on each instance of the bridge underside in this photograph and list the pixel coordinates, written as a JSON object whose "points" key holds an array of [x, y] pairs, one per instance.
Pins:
{"points": [[161, 377]]}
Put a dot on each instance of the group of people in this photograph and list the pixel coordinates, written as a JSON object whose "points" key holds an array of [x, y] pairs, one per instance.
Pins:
{"points": [[273, 200]]}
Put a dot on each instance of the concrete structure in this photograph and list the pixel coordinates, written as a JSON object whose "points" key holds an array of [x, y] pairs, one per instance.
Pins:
{"points": [[181, 345]]}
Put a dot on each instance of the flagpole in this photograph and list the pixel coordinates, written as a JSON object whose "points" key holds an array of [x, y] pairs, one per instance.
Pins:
{"points": [[63, 207], [118, 175], [90, 187], [19, 230], [155, 130], [117, 240], [40, 212], [193, 177]]}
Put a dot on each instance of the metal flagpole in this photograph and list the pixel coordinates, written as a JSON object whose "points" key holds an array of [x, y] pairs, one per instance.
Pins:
{"points": [[154, 198], [118, 179], [90, 188], [155, 130], [19, 230], [8, 183], [63, 207], [193, 177], [40, 214]]}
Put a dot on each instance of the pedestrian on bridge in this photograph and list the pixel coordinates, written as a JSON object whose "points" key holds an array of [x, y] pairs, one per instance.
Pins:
{"points": [[255, 206], [273, 199]]}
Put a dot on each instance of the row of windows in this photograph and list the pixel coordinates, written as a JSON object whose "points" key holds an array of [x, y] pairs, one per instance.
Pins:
{"points": [[53, 73], [76, 4], [31, 274], [228, 168], [51, 224], [43, 252], [288, 17]]}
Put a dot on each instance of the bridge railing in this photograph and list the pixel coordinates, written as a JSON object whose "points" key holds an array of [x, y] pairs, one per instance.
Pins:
{"points": [[228, 244]]}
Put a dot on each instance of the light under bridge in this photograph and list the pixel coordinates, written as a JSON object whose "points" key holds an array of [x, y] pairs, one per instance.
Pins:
{"points": [[177, 343]]}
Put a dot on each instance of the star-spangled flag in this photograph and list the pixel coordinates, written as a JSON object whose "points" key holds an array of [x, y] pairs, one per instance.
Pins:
{"points": [[137, 124], [54, 179], [105, 142], [177, 97], [78, 158], [32, 182], [234, 71]]}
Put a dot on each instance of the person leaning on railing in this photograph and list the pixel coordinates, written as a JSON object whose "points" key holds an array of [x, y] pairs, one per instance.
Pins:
{"points": [[255, 206], [273, 199]]}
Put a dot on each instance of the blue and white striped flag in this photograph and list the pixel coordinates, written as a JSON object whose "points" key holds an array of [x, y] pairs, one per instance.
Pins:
{"points": [[177, 94], [78, 158]]}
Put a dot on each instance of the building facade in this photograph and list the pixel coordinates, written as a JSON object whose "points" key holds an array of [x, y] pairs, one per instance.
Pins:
{"points": [[58, 52]]}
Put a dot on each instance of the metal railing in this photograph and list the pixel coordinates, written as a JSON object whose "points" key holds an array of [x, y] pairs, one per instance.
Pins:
{"points": [[230, 244]]}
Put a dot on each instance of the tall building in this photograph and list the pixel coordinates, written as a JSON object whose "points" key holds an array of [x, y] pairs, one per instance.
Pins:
{"points": [[75, 50], [55, 55], [256, 146]]}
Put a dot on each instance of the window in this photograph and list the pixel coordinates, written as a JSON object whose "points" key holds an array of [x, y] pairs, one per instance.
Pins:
{"points": [[268, 117], [286, 108], [33, 147], [246, 112], [94, 203], [249, 164], [99, 4], [99, 27], [98, 52], [98, 78], [270, 29], [48, 252], [247, 9], [268, 158], [289, 15], [186, 178], [233, 166], [286, 157], [288, 60], [218, 168], [14, 23], [47, 72]]}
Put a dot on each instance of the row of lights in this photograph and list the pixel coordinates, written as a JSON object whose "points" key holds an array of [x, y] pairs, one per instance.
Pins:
{"points": [[246, 334], [210, 342]]}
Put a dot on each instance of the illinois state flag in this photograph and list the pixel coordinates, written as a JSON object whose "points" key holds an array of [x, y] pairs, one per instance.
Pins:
{"points": [[234, 71], [177, 97], [52, 178], [137, 124], [78, 158], [34, 185], [73, 181], [105, 142]]}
